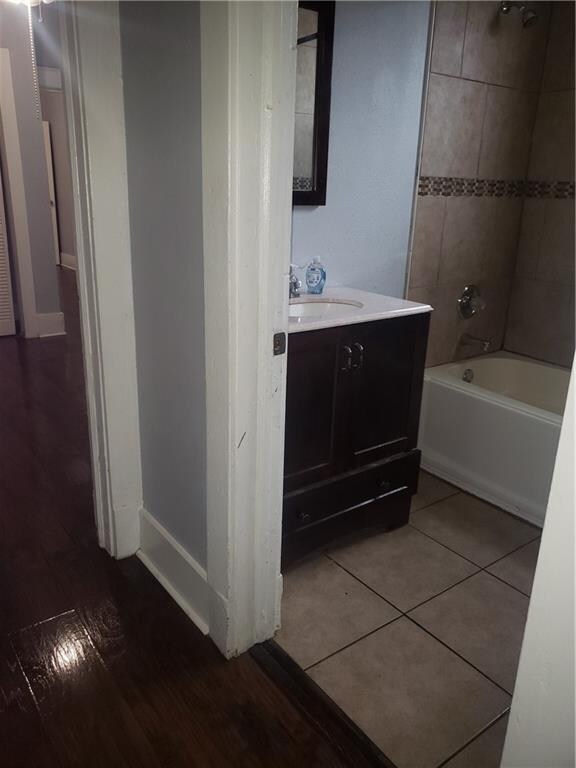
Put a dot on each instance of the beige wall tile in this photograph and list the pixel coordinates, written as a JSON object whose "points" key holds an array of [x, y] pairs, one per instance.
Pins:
{"points": [[559, 64], [541, 321], [531, 231], [546, 245], [552, 155], [556, 252], [499, 50], [453, 127], [507, 133], [447, 327], [480, 238], [449, 28], [428, 225], [443, 336]]}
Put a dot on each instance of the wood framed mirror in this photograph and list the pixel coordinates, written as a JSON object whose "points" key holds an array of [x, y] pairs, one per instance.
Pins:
{"points": [[312, 113]]}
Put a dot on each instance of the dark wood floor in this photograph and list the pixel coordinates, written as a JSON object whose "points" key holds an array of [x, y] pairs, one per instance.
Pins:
{"points": [[98, 667]]}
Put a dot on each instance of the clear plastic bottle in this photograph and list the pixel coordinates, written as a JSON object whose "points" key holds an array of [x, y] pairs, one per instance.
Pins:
{"points": [[315, 276]]}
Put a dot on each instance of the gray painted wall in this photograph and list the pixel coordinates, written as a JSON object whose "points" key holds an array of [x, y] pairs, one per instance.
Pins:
{"points": [[14, 35], [163, 130], [362, 233]]}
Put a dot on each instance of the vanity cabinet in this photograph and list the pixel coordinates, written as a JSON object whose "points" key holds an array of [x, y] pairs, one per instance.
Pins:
{"points": [[352, 410]]}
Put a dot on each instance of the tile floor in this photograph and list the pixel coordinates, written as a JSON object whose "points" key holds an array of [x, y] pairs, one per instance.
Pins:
{"points": [[416, 633]]}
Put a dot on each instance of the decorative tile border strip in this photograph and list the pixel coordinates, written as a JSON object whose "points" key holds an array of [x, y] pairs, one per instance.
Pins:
{"points": [[558, 189], [301, 184], [451, 186]]}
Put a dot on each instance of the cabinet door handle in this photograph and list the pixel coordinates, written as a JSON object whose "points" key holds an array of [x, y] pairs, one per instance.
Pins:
{"points": [[346, 363], [359, 356]]}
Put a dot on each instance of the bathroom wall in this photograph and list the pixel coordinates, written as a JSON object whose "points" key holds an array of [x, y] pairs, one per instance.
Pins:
{"points": [[541, 316], [486, 70], [362, 232], [163, 140]]}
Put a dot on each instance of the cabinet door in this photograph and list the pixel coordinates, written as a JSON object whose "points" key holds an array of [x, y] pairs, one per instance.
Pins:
{"points": [[388, 368], [313, 445]]}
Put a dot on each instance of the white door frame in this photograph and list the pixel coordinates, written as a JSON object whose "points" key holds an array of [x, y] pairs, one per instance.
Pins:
{"points": [[22, 261], [92, 71], [248, 92], [47, 135], [248, 59]]}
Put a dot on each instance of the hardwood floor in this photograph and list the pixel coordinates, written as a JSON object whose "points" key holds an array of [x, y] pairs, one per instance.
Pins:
{"points": [[98, 666]]}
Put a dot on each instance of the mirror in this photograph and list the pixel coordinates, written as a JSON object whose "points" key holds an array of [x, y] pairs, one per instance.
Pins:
{"points": [[312, 112]]}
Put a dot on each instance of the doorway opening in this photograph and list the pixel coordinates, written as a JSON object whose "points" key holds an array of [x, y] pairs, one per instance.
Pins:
{"points": [[409, 556]]}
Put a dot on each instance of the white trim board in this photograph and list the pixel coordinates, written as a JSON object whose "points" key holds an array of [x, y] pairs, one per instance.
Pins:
{"points": [[477, 486], [68, 260], [51, 324], [248, 63], [178, 572], [92, 70], [21, 252]]}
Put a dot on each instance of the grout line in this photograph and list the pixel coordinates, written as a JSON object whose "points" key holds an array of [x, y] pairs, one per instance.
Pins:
{"points": [[506, 583], [492, 85], [481, 568], [511, 553], [454, 552], [429, 599], [473, 739], [464, 40], [484, 114], [349, 645], [456, 653], [364, 584], [455, 492]]}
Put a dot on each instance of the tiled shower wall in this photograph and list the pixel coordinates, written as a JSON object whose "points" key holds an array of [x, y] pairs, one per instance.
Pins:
{"points": [[541, 315], [482, 103]]}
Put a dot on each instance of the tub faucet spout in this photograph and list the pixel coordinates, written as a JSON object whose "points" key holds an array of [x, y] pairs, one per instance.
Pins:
{"points": [[468, 340]]}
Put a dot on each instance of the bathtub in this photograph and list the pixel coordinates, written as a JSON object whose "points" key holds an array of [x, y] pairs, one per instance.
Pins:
{"points": [[496, 435]]}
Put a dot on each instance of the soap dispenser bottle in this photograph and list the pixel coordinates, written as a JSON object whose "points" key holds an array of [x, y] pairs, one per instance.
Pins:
{"points": [[315, 276]]}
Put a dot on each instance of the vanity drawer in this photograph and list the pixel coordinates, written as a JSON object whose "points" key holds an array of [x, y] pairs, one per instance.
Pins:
{"points": [[346, 493]]}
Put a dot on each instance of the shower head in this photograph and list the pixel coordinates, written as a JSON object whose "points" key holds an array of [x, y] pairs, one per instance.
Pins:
{"points": [[529, 17]]}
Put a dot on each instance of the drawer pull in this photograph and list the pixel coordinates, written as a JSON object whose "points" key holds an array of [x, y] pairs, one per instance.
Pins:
{"points": [[346, 358], [303, 516], [359, 356], [386, 486]]}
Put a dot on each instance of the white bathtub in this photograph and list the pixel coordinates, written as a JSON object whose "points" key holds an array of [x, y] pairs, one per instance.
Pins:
{"points": [[496, 436]]}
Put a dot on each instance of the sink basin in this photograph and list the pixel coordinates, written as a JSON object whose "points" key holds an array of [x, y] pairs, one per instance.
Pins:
{"points": [[320, 308], [339, 306]]}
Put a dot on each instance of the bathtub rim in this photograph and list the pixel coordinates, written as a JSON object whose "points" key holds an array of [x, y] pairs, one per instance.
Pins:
{"points": [[496, 398]]}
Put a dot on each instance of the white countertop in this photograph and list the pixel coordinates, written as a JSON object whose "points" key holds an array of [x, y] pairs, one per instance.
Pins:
{"points": [[373, 306]]}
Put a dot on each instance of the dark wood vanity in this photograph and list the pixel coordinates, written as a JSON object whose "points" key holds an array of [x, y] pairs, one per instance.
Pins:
{"points": [[352, 411]]}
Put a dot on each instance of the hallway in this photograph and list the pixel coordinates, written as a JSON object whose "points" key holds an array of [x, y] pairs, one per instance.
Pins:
{"points": [[98, 666]]}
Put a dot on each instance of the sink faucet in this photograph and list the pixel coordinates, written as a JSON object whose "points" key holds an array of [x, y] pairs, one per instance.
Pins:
{"points": [[294, 283], [467, 340]]}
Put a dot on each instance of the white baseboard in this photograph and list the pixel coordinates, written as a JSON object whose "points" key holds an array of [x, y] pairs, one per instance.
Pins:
{"points": [[499, 497], [50, 324], [68, 260], [181, 576]]}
